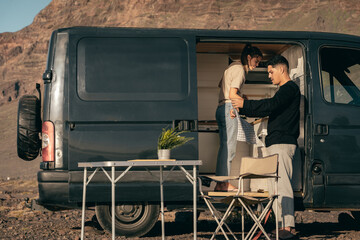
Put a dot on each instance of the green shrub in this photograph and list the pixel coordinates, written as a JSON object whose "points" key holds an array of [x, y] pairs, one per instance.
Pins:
{"points": [[170, 138]]}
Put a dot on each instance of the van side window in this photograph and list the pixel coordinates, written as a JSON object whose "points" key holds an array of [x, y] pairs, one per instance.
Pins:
{"points": [[340, 72], [132, 69]]}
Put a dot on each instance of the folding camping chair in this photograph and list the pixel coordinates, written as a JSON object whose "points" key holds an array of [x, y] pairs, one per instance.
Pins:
{"points": [[250, 168]]}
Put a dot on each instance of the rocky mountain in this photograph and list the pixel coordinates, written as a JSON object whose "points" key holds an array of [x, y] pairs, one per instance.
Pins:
{"points": [[23, 53]]}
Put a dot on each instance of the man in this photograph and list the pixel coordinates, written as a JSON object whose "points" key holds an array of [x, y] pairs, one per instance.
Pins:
{"points": [[283, 131]]}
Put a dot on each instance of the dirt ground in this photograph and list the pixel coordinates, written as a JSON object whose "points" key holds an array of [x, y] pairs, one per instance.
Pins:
{"points": [[19, 222]]}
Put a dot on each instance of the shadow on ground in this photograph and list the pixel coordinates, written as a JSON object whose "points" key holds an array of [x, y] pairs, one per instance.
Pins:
{"points": [[315, 230]]}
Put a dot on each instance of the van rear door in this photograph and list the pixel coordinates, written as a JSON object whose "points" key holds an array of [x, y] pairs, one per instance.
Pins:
{"points": [[125, 85], [336, 125]]}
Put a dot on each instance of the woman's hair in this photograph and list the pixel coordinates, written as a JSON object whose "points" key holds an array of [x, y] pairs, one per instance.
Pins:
{"points": [[249, 50]]}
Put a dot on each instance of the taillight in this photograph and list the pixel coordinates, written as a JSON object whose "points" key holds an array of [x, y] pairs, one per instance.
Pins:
{"points": [[48, 142]]}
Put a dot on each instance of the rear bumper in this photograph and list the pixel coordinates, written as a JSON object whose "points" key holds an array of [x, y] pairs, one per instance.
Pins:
{"points": [[65, 188], [53, 188]]}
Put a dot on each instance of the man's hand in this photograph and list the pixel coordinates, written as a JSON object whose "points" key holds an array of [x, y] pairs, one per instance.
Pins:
{"points": [[237, 102]]}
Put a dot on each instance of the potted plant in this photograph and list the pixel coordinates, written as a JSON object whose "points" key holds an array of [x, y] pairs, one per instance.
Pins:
{"points": [[170, 139]]}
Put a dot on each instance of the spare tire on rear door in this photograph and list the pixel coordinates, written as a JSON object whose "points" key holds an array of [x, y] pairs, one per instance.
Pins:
{"points": [[28, 127]]}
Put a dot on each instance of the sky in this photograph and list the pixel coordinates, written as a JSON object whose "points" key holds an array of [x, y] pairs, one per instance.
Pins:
{"points": [[17, 14]]}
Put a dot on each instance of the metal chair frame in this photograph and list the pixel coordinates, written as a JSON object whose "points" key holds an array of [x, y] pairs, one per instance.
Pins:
{"points": [[244, 199]]}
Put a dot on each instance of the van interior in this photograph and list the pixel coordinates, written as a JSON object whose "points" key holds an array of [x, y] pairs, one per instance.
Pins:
{"points": [[212, 60]]}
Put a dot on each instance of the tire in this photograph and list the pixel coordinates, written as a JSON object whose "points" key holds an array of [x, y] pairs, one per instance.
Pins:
{"points": [[130, 220], [356, 215], [28, 127]]}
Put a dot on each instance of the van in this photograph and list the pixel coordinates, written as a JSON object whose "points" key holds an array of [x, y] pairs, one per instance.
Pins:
{"points": [[108, 93]]}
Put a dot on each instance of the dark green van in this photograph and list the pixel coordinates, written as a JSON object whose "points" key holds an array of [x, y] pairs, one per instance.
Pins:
{"points": [[108, 92]]}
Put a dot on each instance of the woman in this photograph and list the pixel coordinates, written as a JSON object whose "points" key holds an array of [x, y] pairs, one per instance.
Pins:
{"points": [[230, 84]]}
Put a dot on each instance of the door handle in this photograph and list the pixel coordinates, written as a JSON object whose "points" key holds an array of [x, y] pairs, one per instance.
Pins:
{"points": [[321, 129], [186, 125]]}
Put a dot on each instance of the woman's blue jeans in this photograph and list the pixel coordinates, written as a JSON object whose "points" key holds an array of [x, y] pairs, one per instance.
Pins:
{"points": [[227, 132]]}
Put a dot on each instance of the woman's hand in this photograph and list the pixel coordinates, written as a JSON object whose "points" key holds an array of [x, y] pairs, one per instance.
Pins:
{"points": [[232, 113]]}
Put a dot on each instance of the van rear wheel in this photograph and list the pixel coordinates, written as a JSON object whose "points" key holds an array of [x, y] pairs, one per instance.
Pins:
{"points": [[130, 220]]}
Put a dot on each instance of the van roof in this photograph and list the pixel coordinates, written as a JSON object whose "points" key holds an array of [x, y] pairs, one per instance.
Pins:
{"points": [[213, 34]]}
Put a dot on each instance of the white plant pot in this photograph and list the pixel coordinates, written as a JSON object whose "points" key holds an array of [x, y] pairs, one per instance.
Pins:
{"points": [[164, 153]]}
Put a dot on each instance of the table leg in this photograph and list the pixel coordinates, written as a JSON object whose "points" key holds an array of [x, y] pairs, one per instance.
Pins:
{"points": [[276, 209], [83, 205], [195, 202], [162, 204], [113, 202]]}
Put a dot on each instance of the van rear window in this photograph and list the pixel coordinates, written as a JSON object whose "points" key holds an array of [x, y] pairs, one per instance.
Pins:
{"points": [[136, 69]]}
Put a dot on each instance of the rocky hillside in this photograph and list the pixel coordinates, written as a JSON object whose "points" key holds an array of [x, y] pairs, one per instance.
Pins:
{"points": [[23, 53]]}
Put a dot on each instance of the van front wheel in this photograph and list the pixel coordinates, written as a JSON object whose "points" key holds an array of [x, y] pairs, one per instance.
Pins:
{"points": [[130, 220]]}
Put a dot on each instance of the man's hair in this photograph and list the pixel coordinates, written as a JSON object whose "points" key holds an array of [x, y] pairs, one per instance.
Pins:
{"points": [[278, 59]]}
